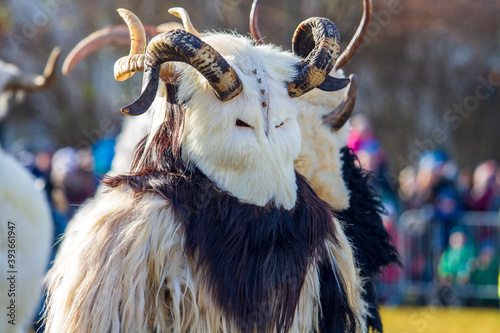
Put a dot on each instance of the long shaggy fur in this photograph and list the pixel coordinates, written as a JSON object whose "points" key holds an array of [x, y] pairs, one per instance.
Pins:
{"points": [[320, 159], [267, 249], [124, 268], [334, 176], [143, 256], [28, 210], [374, 248]]}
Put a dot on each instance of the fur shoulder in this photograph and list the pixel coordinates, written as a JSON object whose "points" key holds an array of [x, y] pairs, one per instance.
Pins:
{"points": [[104, 272], [25, 212]]}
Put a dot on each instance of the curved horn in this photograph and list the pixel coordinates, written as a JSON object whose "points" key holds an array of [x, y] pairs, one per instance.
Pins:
{"points": [[180, 45], [318, 41], [357, 39], [186, 21], [254, 23], [126, 66], [114, 35], [31, 82], [137, 32], [339, 116]]}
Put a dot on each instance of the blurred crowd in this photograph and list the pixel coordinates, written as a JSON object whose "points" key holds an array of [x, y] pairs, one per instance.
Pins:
{"points": [[69, 176], [454, 249], [447, 253]]}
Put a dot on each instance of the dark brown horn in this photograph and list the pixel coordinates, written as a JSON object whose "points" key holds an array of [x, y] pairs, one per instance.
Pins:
{"points": [[180, 45], [254, 23], [339, 116], [31, 82], [357, 39], [317, 40]]}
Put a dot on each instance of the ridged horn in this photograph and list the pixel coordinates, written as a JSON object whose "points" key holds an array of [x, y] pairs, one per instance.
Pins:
{"points": [[317, 40], [180, 45], [126, 66], [339, 116], [357, 39], [254, 23], [31, 82]]}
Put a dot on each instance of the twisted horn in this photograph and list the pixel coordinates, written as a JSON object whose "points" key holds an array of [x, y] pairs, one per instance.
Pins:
{"points": [[180, 45], [126, 66], [318, 41], [357, 39], [339, 116], [31, 82], [254, 23]]}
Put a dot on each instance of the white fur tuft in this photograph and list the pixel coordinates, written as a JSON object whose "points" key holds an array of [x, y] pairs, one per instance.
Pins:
{"points": [[28, 211], [319, 160]]}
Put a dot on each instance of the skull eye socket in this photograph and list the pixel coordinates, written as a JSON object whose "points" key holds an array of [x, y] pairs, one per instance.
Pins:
{"points": [[241, 123]]}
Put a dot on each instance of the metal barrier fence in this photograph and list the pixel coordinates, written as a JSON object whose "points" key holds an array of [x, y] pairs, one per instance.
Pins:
{"points": [[447, 259]]}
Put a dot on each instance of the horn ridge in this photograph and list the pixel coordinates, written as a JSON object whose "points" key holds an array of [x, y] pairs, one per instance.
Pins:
{"points": [[180, 45], [317, 40]]}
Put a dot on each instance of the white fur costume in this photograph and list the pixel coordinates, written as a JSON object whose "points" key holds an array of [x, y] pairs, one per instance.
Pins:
{"points": [[27, 208], [123, 252], [319, 159], [28, 211]]}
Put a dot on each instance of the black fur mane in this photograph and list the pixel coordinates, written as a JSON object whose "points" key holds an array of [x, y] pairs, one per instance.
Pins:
{"points": [[254, 259], [363, 226]]}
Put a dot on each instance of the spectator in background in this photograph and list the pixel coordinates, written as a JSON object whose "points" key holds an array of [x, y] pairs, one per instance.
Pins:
{"points": [[407, 188], [361, 132], [73, 179], [484, 272], [457, 261], [435, 172], [103, 152], [485, 268], [372, 157], [464, 182], [482, 196]]}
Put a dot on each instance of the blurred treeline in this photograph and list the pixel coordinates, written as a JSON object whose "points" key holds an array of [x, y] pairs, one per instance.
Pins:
{"points": [[422, 65]]}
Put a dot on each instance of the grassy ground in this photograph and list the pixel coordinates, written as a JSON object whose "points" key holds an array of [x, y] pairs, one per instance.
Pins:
{"points": [[440, 320]]}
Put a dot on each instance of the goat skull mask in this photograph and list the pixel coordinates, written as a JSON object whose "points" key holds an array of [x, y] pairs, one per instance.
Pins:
{"points": [[240, 126]]}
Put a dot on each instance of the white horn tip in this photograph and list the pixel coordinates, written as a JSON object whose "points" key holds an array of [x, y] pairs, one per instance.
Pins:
{"points": [[177, 11], [123, 11]]}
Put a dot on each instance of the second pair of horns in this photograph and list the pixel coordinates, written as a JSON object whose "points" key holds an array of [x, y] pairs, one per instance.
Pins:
{"points": [[317, 37]]}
